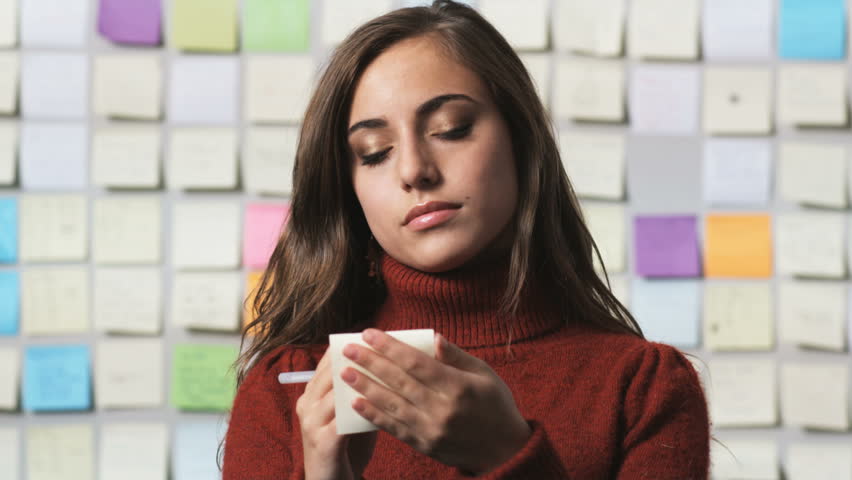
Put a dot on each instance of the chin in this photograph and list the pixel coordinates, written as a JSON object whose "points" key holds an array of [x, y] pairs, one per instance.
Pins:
{"points": [[440, 258]]}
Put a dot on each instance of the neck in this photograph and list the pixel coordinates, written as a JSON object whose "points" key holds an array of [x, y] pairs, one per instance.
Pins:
{"points": [[464, 305]]}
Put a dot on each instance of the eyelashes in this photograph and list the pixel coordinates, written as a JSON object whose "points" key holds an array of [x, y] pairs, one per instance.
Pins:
{"points": [[454, 134]]}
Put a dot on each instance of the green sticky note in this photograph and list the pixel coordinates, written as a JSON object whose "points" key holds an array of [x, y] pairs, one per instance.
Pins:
{"points": [[204, 25], [276, 25], [202, 378]]}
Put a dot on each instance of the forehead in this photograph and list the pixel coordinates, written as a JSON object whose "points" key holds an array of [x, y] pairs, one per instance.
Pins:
{"points": [[407, 74]]}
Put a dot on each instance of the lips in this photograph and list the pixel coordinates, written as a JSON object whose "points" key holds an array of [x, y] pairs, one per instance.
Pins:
{"points": [[428, 207]]}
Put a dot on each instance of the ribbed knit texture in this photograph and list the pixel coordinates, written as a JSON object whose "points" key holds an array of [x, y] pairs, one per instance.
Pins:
{"points": [[600, 405]]}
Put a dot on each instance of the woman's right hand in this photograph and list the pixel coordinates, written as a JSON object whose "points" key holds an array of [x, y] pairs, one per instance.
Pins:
{"points": [[329, 456]]}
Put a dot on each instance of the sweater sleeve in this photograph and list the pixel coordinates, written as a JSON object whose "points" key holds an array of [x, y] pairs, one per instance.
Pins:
{"points": [[263, 441], [667, 428], [536, 459]]}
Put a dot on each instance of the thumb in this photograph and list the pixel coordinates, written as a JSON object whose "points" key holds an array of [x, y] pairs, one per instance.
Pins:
{"points": [[452, 355]]}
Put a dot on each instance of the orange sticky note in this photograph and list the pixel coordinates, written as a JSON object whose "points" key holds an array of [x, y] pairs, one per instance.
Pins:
{"points": [[252, 283], [738, 246]]}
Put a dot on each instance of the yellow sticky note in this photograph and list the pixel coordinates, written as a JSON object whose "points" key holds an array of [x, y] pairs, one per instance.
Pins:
{"points": [[252, 283], [738, 246], [204, 25]]}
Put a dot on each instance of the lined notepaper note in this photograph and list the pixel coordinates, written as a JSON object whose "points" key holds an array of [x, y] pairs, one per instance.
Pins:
{"points": [[55, 300], [663, 29], [811, 245], [203, 158], [743, 392], [127, 229], [57, 378], [60, 451], [813, 314], [53, 228], [738, 316], [206, 301], [126, 157], [267, 160], [128, 300], [595, 28], [815, 395], [128, 86], [589, 90], [201, 379], [277, 89], [205, 235], [737, 100], [737, 172], [10, 375], [129, 373], [134, 451], [813, 174], [594, 164]]}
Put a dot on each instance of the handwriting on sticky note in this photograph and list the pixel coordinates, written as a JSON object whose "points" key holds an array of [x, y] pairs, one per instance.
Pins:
{"points": [[57, 378]]}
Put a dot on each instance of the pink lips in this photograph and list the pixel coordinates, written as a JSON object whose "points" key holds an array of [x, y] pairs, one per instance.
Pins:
{"points": [[430, 214]]}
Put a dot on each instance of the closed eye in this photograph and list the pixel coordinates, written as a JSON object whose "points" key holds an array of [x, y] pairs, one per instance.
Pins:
{"points": [[454, 134]]}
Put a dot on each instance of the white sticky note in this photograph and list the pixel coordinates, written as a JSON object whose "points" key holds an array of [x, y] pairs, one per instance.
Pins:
{"points": [[523, 24], [341, 17], [10, 377], [663, 29], [813, 314], [348, 420], [277, 89], [129, 373], [737, 100], [812, 95], [127, 229], [134, 451], [607, 225], [664, 99], [8, 27], [267, 160], [595, 28], [736, 30], [53, 228], [195, 99], [745, 459], [591, 90], [128, 300], [810, 245], [128, 86], [737, 172], [667, 310], [63, 451], [815, 395], [206, 235], [55, 301], [54, 23], [54, 86], [10, 448], [738, 316], [194, 453], [813, 174], [538, 66], [594, 163], [826, 459], [9, 81], [126, 157], [743, 392], [8, 153], [207, 300], [54, 156], [202, 158]]}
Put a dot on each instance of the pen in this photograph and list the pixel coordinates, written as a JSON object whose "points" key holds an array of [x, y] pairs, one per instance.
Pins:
{"points": [[296, 377]]}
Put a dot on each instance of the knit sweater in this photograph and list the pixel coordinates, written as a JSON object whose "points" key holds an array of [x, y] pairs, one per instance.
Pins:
{"points": [[600, 405]]}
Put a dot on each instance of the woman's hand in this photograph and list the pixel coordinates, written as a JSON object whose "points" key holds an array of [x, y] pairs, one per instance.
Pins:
{"points": [[329, 456], [453, 408]]}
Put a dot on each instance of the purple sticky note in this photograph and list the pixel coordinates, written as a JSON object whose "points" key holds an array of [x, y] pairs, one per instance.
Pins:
{"points": [[263, 225], [136, 22], [666, 246]]}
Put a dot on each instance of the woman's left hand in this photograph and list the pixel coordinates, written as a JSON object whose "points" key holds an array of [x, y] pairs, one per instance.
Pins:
{"points": [[453, 407]]}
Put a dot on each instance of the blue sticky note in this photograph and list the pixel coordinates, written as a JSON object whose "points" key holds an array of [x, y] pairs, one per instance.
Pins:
{"points": [[57, 378], [10, 302], [8, 230], [668, 310], [812, 29], [194, 451]]}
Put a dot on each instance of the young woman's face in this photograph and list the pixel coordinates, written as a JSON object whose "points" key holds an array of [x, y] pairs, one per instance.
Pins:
{"points": [[424, 132]]}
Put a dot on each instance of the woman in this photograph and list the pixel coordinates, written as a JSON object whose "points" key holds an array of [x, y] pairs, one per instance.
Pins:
{"points": [[429, 193]]}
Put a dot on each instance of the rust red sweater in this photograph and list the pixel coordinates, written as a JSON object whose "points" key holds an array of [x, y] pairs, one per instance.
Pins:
{"points": [[600, 405]]}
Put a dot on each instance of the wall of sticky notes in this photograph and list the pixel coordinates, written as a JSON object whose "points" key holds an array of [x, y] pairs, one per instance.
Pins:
{"points": [[146, 152]]}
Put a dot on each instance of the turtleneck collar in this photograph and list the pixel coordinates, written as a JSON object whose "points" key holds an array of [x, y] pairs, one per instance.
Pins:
{"points": [[462, 304]]}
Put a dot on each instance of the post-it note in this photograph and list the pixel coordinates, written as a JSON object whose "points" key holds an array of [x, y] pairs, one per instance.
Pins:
{"points": [[8, 29], [194, 452], [737, 171], [129, 373], [812, 29], [10, 369], [668, 310], [206, 300], [201, 377], [666, 246], [276, 25], [263, 226], [204, 25], [134, 451], [54, 23], [132, 22], [60, 451], [57, 378], [8, 230], [738, 316], [10, 302], [738, 246]]}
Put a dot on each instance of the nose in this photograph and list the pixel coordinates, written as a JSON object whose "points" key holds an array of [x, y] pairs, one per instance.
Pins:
{"points": [[416, 165]]}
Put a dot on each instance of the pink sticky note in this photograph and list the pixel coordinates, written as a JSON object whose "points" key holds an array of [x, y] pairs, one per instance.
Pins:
{"points": [[263, 225]]}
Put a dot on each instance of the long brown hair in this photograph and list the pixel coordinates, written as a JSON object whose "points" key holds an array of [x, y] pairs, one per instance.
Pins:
{"points": [[317, 283]]}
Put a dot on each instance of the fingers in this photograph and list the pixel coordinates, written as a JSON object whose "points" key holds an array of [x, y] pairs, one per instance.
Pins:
{"points": [[394, 360]]}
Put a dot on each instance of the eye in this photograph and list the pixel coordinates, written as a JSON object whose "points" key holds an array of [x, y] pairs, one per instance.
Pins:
{"points": [[456, 133], [374, 158]]}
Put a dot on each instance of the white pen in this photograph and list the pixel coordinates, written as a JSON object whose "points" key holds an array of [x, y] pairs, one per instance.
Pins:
{"points": [[296, 377]]}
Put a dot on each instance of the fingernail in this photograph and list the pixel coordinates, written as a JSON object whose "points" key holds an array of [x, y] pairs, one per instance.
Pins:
{"points": [[369, 335], [350, 351], [349, 376]]}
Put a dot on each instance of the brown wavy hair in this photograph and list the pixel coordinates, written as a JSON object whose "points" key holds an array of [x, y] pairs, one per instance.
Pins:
{"points": [[317, 280]]}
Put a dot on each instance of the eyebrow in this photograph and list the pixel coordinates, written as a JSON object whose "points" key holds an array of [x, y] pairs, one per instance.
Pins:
{"points": [[424, 109]]}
